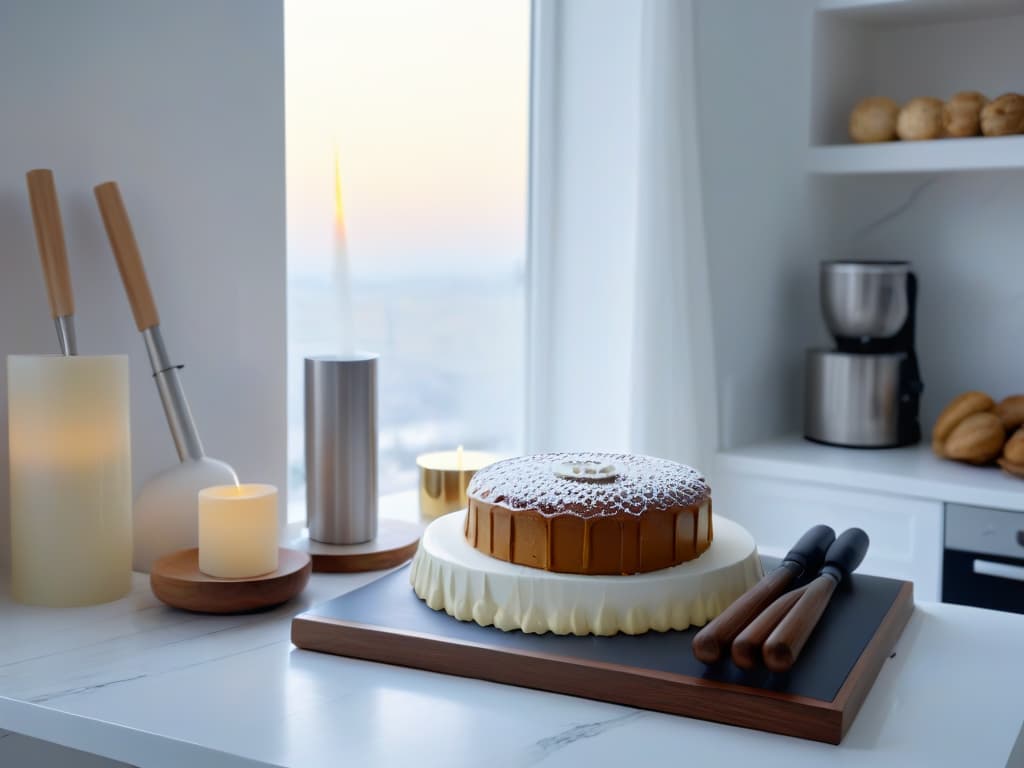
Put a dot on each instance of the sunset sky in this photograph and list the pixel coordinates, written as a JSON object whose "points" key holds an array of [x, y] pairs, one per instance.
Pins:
{"points": [[426, 102]]}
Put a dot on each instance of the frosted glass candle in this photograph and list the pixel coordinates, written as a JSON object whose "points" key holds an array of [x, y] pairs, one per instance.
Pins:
{"points": [[238, 530], [71, 479]]}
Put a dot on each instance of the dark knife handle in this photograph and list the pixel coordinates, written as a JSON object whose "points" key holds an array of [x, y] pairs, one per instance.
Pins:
{"points": [[783, 646], [810, 550], [712, 643], [847, 553], [746, 648]]}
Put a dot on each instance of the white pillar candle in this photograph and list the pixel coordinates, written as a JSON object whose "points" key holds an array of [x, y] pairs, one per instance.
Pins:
{"points": [[238, 530], [71, 479]]}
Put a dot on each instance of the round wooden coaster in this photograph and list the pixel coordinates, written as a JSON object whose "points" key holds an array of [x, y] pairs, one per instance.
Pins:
{"points": [[177, 581], [396, 542]]}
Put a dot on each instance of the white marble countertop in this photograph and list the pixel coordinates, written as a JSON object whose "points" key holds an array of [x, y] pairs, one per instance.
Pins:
{"points": [[148, 685]]}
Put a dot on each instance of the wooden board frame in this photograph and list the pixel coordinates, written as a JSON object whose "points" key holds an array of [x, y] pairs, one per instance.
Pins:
{"points": [[765, 710]]}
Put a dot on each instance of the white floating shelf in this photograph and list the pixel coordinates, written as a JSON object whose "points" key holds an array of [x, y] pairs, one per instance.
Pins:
{"points": [[919, 156], [912, 471], [919, 11]]}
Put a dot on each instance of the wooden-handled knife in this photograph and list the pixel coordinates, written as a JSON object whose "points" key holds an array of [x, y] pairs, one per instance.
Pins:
{"points": [[784, 644], [712, 643], [42, 195]]}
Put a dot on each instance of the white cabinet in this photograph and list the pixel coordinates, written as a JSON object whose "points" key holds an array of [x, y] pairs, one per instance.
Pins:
{"points": [[779, 488], [906, 533]]}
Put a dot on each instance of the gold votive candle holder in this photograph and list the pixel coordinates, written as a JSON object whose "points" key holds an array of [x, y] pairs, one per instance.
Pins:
{"points": [[444, 477]]}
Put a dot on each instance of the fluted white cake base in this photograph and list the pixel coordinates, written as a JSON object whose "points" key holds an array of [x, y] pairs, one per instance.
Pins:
{"points": [[450, 575]]}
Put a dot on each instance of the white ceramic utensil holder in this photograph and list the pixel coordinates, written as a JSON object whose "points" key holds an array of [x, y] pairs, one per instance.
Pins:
{"points": [[70, 479]]}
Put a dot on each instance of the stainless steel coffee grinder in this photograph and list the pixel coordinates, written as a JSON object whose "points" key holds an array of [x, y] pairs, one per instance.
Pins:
{"points": [[865, 393]]}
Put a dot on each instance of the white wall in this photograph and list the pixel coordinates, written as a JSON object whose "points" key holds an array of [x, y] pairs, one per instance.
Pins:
{"points": [[183, 104], [761, 219]]}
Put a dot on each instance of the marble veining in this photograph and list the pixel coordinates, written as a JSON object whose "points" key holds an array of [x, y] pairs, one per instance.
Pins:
{"points": [[82, 689], [547, 746], [896, 212]]}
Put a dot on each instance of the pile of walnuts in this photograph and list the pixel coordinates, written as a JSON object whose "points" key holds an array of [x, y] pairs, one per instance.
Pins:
{"points": [[976, 429], [968, 113]]}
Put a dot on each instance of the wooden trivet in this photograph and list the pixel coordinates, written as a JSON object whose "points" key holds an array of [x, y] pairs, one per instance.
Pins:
{"points": [[177, 581], [396, 542]]}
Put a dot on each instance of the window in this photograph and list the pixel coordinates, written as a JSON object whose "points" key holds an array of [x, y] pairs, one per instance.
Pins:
{"points": [[406, 167]]}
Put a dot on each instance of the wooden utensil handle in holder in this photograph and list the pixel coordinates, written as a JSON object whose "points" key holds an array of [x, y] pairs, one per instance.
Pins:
{"points": [[42, 195], [126, 252], [783, 646], [746, 648], [712, 642]]}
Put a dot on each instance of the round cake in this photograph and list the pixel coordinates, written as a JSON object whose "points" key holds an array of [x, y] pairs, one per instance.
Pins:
{"points": [[589, 513]]}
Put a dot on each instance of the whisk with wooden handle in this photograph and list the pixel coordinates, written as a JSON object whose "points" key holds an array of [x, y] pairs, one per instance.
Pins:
{"points": [[165, 509], [42, 195]]}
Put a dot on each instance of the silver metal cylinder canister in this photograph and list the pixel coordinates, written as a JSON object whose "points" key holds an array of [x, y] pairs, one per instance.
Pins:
{"points": [[341, 448], [853, 399]]}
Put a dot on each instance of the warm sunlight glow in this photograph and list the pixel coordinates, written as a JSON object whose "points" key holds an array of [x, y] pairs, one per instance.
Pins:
{"points": [[339, 207], [424, 104]]}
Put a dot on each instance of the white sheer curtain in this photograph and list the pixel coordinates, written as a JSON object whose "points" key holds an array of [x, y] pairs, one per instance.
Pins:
{"points": [[674, 408], [621, 355]]}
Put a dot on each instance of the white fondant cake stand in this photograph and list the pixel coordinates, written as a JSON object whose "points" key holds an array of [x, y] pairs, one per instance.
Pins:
{"points": [[450, 575]]}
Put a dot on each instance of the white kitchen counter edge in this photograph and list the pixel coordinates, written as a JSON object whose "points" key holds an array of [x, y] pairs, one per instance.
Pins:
{"points": [[911, 471], [111, 740]]}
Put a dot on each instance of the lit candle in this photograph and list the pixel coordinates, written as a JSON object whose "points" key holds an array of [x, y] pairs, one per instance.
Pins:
{"points": [[70, 479], [444, 476], [238, 530]]}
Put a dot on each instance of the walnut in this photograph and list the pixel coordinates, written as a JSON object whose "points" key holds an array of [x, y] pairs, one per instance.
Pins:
{"points": [[958, 409], [1003, 116], [961, 115], [920, 119], [1011, 411], [873, 120]]}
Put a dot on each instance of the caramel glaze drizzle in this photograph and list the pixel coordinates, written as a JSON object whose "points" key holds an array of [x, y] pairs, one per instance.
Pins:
{"points": [[675, 537], [631, 547], [696, 528], [586, 544], [547, 527], [511, 538]]}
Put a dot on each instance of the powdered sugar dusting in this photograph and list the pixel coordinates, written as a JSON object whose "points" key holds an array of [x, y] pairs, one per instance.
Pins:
{"points": [[643, 483]]}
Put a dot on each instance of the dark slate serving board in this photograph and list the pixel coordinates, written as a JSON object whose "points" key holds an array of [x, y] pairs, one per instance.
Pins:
{"points": [[385, 621]]}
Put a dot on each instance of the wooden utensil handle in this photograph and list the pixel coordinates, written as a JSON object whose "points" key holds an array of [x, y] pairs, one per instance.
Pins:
{"points": [[126, 252], [783, 646], [42, 195], [712, 642], [746, 648]]}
